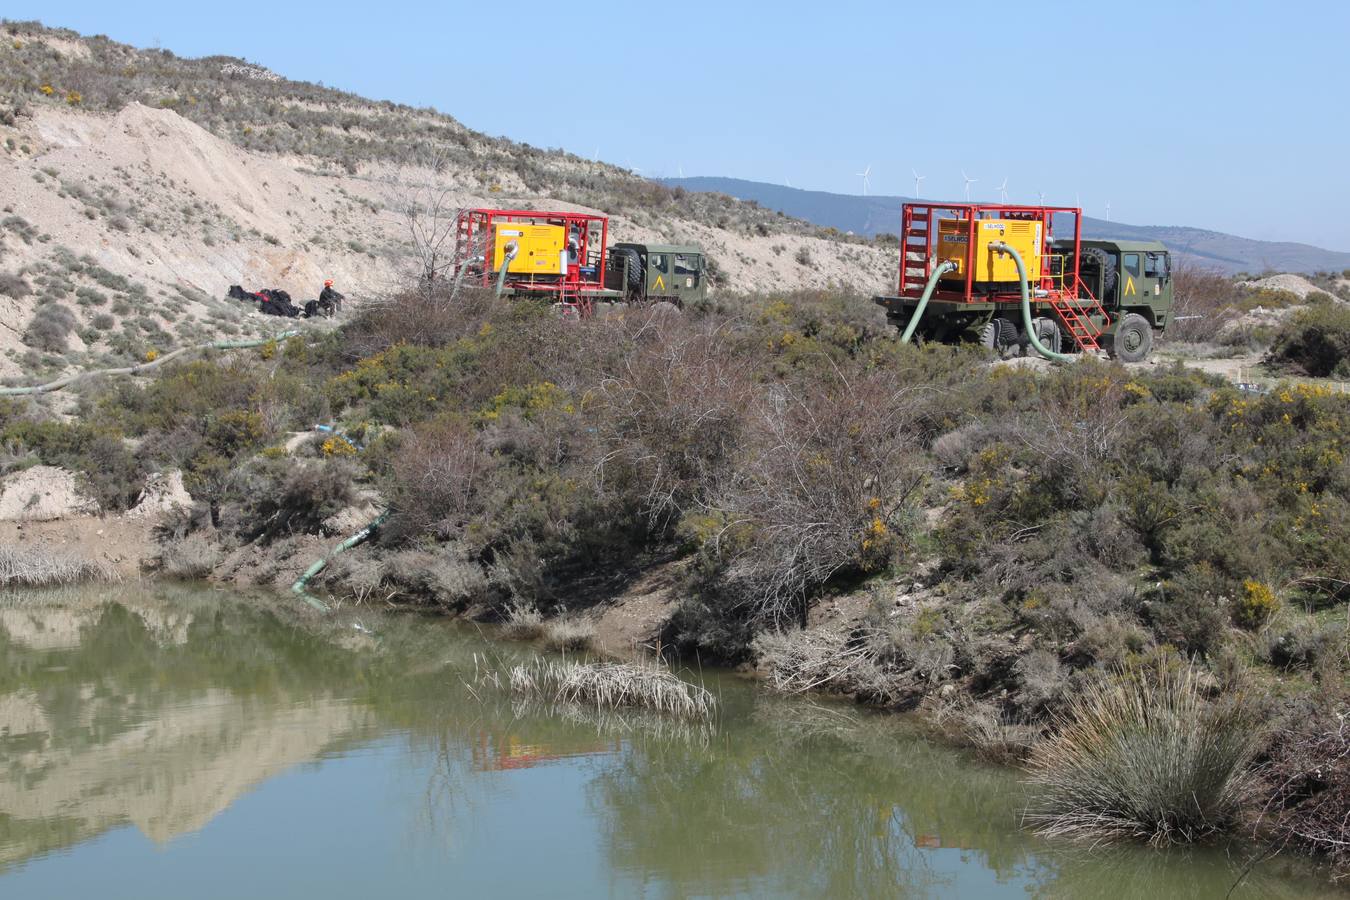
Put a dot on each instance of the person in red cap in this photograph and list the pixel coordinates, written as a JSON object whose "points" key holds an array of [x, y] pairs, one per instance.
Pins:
{"points": [[330, 301]]}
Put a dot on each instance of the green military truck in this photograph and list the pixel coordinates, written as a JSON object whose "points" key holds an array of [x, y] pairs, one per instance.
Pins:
{"points": [[958, 282], [1133, 281], [656, 273]]}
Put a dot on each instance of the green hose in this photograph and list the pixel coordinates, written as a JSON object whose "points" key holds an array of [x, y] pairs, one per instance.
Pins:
{"points": [[141, 369], [511, 250], [1036, 344], [318, 565], [942, 269]]}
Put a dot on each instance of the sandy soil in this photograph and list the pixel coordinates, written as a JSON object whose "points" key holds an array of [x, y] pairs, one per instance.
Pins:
{"points": [[121, 542], [155, 198]]}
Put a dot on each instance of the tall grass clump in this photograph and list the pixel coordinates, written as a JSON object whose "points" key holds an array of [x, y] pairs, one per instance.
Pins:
{"points": [[1142, 755], [612, 686], [38, 567]]}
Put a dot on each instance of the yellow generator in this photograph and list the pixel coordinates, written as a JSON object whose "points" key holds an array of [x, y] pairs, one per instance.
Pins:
{"points": [[540, 248], [990, 267]]}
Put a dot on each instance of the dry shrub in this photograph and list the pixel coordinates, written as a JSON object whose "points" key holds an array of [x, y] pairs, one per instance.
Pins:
{"points": [[821, 488], [441, 577], [42, 567], [194, 556], [673, 413], [1142, 755], [49, 328], [522, 622], [1306, 786], [438, 471], [569, 634], [796, 662], [424, 318], [14, 285], [988, 731], [1203, 303]]}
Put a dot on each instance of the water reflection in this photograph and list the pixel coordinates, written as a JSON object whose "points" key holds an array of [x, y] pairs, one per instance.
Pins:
{"points": [[176, 712]]}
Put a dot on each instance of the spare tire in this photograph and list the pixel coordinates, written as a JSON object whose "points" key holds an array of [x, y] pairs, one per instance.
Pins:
{"points": [[1096, 256], [634, 277]]}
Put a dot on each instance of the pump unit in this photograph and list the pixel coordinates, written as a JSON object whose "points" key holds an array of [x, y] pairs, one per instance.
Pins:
{"points": [[990, 268], [539, 250]]}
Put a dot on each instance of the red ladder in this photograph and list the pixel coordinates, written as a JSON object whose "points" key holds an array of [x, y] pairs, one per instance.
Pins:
{"points": [[1077, 314], [914, 243]]}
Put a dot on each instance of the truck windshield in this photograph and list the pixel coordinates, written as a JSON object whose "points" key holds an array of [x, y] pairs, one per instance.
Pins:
{"points": [[686, 265]]}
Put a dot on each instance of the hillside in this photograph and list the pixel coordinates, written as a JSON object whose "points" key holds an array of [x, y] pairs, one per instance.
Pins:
{"points": [[869, 216], [136, 186]]}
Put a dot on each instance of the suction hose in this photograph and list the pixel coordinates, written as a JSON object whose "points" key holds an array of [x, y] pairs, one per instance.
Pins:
{"points": [[360, 537], [141, 369], [511, 250], [942, 269], [1036, 344]]}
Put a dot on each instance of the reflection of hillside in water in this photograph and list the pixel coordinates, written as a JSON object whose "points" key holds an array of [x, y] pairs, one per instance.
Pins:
{"points": [[113, 715]]}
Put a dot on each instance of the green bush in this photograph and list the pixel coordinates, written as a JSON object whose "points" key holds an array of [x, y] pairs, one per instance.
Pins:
{"points": [[1316, 341]]}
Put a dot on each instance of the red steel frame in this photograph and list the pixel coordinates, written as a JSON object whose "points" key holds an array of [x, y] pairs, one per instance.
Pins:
{"points": [[918, 235], [1065, 292], [474, 235]]}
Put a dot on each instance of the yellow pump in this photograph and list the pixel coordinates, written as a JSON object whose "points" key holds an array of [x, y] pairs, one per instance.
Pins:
{"points": [[990, 265]]}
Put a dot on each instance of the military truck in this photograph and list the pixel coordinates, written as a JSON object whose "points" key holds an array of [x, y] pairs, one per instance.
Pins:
{"points": [[958, 282], [655, 273], [564, 258]]}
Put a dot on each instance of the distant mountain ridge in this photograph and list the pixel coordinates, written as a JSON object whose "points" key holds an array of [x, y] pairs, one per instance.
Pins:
{"points": [[875, 215]]}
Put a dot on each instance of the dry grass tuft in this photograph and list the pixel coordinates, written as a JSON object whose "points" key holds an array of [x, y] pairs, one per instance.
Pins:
{"points": [[195, 556], [568, 634], [1142, 755], [39, 567], [612, 686], [522, 623]]}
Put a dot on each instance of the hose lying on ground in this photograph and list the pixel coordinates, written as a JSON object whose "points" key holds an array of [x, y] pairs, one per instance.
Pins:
{"points": [[360, 537], [67, 380]]}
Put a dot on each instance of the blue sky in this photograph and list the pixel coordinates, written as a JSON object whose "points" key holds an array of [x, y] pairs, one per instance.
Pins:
{"points": [[1220, 115]]}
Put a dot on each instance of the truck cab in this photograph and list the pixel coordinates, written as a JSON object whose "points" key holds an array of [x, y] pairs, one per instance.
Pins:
{"points": [[655, 273], [1129, 277]]}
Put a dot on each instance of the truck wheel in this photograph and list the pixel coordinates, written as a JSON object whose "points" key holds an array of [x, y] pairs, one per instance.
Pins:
{"points": [[989, 335], [1102, 260], [1133, 339], [1048, 333], [998, 334]]}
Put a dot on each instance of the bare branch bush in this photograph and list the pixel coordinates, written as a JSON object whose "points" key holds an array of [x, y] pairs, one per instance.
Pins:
{"points": [[1204, 302], [425, 198], [822, 487], [673, 412]]}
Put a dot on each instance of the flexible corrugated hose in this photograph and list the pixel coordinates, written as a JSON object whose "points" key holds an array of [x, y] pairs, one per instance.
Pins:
{"points": [[68, 380]]}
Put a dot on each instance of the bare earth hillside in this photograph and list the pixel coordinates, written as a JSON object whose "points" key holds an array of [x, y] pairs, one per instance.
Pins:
{"points": [[130, 223]]}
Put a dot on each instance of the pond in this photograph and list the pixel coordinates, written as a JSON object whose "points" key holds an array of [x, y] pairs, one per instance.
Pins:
{"points": [[163, 741]]}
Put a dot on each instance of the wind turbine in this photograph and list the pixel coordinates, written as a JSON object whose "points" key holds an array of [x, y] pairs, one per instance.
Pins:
{"points": [[863, 175], [679, 168], [917, 179], [1108, 210], [1003, 190], [969, 182], [1041, 195]]}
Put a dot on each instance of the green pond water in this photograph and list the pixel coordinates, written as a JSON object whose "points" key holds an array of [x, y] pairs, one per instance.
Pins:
{"points": [[178, 742]]}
